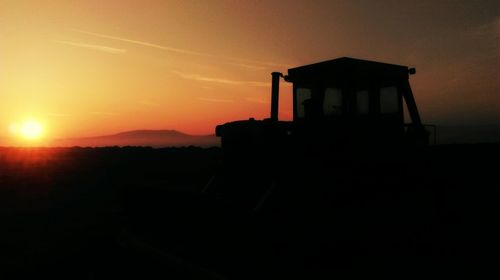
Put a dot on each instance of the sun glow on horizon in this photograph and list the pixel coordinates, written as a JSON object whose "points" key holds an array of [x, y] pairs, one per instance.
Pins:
{"points": [[28, 130]]}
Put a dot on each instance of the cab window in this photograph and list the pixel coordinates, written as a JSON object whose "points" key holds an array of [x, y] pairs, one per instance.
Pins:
{"points": [[362, 102], [332, 103], [302, 94], [389, 100]]}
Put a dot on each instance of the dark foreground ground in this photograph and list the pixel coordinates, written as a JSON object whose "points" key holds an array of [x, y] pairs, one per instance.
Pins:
{"points": [[141, 213]]}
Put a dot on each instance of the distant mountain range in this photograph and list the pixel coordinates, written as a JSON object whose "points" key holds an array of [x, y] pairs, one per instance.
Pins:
{"points": [[173, 138], [468, 134], [152, 138]]}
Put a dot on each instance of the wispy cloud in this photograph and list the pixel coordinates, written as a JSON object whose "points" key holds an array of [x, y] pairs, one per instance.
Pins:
{"points": [[149, 103], [142, 43], [100, 113], [257, 100], [58, 115], [220, 80], [217, 100], [487, 35], [489, 29], [254, 63], [93, 47], [244, 63], [248, 66]]}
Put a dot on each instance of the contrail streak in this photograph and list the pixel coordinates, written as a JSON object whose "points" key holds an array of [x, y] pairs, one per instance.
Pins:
{"points": [[245, 63], [142, 43], [219, 80], [93, 47]]}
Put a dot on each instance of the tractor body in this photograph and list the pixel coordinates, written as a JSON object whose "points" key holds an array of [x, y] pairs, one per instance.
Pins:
{"points": [[343, 109]]}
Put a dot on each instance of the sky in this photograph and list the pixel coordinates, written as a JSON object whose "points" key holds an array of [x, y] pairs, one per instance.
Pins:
{"points": [[86, 68]]}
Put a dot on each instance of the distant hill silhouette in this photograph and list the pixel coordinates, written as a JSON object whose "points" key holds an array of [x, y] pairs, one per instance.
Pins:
{"points": [[446, 134], [468, 134], [153, 138]]}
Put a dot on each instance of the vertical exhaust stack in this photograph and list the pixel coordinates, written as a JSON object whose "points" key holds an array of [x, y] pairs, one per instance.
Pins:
{"points": [[275, 92]]}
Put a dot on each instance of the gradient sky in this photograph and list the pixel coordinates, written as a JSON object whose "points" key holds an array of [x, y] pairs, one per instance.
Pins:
{"points": [[86, 68]]}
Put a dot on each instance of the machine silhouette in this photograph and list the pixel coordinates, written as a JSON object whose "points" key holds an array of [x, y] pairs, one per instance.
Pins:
{"points": [[338, 190], [339, 106], [302, 197], [347, 114]]}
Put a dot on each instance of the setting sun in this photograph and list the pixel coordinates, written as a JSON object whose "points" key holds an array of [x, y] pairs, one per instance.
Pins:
{"points": [[29, 129]]}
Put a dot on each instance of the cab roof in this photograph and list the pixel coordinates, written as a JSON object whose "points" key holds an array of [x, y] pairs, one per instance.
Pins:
{"points": [[347, 69]]}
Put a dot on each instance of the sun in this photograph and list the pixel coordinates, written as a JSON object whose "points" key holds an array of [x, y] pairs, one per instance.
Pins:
{"points": [[29, 129]]}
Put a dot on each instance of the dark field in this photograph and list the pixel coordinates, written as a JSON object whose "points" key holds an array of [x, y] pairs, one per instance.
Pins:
{"points": [[138, 213]]}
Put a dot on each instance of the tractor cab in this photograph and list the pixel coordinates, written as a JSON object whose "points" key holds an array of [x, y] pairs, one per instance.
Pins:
{"points": [[361, 101], [340, 105]]}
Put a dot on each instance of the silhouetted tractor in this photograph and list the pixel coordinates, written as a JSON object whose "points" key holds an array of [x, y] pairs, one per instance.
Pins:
{"points": [[324, 193], [344, 109]]}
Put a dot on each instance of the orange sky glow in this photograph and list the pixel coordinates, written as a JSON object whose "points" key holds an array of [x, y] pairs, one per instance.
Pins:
{"points": [[86, 68]]}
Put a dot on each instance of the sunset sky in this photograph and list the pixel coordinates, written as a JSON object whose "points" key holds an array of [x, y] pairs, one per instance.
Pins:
{"points": [[86, 68]]}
